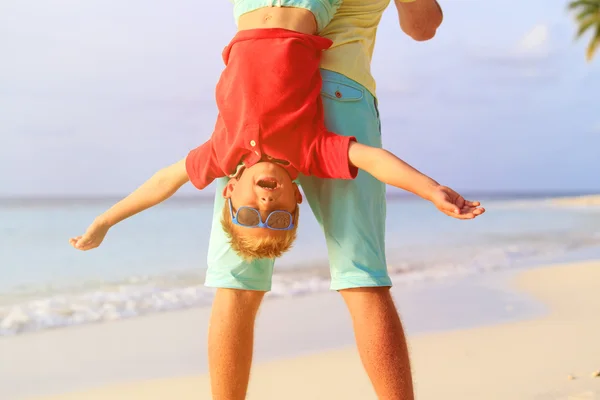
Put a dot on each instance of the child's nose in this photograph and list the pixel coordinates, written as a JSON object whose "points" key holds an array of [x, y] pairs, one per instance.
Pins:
{"points": [[266, 199]]}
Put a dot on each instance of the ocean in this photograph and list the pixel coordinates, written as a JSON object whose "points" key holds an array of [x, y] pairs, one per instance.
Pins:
{"points": [[155, 261]]}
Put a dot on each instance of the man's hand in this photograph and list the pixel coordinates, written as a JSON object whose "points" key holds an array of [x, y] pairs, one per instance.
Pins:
{"points": [[92, 238], [454, 205], [419, 19]]}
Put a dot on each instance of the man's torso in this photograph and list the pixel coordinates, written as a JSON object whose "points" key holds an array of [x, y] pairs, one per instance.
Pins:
{"points": [[353, 31]]}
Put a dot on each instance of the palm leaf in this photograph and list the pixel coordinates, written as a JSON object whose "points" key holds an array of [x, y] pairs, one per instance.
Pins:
{"points": [[593, 45], [586, 4], [584, 25], [586, 14]]}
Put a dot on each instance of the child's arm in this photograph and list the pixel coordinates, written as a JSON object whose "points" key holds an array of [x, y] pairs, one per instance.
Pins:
{"points": [[155, 190], [389, 169]]}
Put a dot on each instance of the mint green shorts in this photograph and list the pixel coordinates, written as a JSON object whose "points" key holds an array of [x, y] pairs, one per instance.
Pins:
{"points": [[351, 212], [323, 10]]}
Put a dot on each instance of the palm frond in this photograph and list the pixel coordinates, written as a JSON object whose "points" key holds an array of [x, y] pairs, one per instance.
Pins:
{"points": [[593, 45], [586, 4], [586, 14], [591, 21]]}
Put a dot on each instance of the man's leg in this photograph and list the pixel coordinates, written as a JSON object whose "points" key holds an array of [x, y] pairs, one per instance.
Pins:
{"points": [[231, 341], [352, 214], [381, 342], [241, 287]]}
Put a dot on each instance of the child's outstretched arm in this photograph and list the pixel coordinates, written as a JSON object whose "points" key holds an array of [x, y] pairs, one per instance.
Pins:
{"points": [[155, 190], [389, 169]]}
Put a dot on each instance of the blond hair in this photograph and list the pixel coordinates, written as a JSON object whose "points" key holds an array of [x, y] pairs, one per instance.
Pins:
{"points": [[251, 247]]}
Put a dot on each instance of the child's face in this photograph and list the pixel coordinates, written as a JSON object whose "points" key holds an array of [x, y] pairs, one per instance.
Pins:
{"points": [[265, 186]]}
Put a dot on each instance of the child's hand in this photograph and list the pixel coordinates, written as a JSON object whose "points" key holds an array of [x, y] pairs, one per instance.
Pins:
{"points": [[453, 204], [92, 238]]}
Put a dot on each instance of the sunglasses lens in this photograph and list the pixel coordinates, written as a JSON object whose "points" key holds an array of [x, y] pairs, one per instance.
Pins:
{"points": [[248, 217], [279, 220]]}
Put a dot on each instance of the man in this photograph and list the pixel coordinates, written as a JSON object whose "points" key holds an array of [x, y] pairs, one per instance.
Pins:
{"points": [[352, 214]]}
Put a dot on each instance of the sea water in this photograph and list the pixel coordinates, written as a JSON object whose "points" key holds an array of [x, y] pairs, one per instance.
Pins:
{"points": [[156, 260]]}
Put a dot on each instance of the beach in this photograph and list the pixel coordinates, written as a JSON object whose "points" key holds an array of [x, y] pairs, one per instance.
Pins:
{"points": [[100, 95], [130, 320], [542, 343], [586, 201]]}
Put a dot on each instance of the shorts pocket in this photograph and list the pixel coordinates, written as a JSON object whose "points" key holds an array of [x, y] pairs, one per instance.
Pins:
{"points": [[341, 92]]}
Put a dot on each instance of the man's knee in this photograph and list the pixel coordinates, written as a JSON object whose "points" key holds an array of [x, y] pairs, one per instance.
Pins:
{"points": [[366, 300], [373, 291], [238, 301], [366, 293]]}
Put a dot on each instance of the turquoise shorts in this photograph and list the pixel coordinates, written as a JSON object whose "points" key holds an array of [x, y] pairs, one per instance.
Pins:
{"points": [[323, 10], [351, 212]]}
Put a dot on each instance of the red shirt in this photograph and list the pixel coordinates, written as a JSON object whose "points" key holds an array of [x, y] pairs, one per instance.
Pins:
{"points": [[269, 105]]}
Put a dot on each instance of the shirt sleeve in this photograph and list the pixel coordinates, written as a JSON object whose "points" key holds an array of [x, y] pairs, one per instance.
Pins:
{"points": [[328, 157], [202, 166]]}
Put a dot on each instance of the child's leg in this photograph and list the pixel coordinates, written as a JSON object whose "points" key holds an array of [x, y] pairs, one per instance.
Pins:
{"points": [[352, 214]]}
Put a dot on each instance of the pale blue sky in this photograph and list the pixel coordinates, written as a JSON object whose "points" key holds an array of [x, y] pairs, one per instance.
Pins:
{"points": [[96, 95]]}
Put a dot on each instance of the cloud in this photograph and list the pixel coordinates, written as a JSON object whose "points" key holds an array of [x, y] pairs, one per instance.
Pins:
{"points": [[535, 42], [529, 49], [528, 57]]}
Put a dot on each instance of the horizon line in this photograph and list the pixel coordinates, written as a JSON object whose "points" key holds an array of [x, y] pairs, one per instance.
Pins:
{"points": [[87, 198]]}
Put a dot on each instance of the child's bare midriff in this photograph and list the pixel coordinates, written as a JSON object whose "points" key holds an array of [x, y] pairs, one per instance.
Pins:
{"points": [[294, 19]]}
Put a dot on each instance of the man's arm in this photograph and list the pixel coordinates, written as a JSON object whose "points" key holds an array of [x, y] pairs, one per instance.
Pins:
{"points": [[154, 191], [389, 169], [419, 19]]}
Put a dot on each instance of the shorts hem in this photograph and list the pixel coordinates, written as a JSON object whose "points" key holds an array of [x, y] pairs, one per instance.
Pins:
{"points": [[240, 284], [360, 282]]}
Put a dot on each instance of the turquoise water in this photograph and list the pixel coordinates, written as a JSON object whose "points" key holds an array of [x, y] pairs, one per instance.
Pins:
{"points": [[155, 261]]}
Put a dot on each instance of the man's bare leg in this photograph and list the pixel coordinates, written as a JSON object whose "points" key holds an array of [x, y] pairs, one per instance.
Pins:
{"points": [[381, 341], [231, 342]]}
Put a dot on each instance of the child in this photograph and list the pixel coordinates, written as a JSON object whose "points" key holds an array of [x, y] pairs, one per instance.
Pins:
{"points": [[269, 129]]}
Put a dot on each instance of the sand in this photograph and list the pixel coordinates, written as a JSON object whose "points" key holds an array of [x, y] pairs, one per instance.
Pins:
{"points": [[549, 357], [589, 202], [525, 360], [586, 201]]}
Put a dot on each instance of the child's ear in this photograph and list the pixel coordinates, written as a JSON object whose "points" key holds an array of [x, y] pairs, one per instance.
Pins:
{"points": [[297, 194], [228, 189]]}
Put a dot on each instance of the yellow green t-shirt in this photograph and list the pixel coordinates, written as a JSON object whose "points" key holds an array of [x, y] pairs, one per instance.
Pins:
{"points": [[353, 30]]}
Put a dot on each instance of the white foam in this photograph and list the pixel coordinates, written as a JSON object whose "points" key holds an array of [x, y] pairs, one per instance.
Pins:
{"points": [[97, 306], [99, 302]]}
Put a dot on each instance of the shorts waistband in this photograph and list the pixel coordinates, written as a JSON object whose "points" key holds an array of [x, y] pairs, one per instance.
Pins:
{"points": [[323, 10]]}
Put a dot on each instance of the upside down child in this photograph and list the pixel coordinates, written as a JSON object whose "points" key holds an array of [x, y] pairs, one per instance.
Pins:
{"points": [[270, 128]]}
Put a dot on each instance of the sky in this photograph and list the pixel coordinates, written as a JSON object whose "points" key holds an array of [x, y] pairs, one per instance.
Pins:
{"points": [[96, 96]]}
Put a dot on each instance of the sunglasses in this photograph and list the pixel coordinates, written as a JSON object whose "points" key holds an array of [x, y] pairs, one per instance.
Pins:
{"points": [[249, 217]]}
